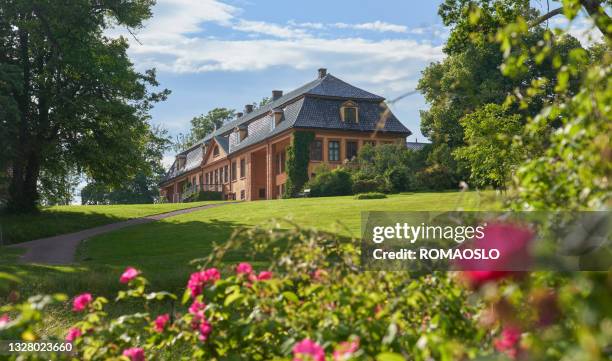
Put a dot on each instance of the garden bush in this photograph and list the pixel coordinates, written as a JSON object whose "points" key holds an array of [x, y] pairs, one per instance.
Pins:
{"points": [[313, 302], [371, 195], [209, 196], [377, 184], [336, 182]]}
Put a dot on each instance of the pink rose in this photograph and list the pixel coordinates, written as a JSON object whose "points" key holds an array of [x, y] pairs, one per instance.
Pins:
{"points": [[160, 322], [129, 274], [205, 330], [73, 334], [197, 308], [134, 354], [199, 279], [345, 350], [264, 275], [4, 319], [512, 242], [244, 268], [81, 302], [508, 343], [308, 350]]}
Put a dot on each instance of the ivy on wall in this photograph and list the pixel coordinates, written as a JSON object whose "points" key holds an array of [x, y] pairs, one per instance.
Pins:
{"points": [[298, 156]]}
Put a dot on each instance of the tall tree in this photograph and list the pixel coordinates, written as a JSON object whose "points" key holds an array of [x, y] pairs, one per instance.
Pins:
{"points": [[73, 96], [469, 77], [143, 187]]}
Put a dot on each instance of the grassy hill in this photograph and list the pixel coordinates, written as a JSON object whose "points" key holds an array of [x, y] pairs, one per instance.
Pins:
{"points": [[163, 249], [56, 220]]}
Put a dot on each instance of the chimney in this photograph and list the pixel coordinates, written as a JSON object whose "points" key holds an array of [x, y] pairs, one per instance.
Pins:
{"points": [[276, 94], [278, 115], [322, 73], [239, 115], [248, 108]]}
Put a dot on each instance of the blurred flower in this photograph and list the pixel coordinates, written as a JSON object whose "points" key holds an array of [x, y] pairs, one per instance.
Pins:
{"points": [[4, 319], [345, 350], [307, 350], [134, 354], [198, 279], [205, 330], [244, 268], [197, 308], [508, 342], [73, 334], [512, 242], [129, 274], [264, 275], [160, 322], [81, 302]]}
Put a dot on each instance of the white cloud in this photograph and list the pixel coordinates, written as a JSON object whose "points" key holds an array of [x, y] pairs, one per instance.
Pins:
{"points": [[262, 27], [175, 40], [309, 25], [582, 28], [377, 25]]}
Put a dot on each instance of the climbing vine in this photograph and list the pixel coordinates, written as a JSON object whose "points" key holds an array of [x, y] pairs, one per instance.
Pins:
{"points": [[298, 156]]}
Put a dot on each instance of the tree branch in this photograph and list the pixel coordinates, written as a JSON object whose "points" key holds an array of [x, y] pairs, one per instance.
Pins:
{"points": [[545, 17], [599, 16]]}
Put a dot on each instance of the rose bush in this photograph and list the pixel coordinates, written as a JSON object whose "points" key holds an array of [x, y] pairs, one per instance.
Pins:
{"points": [[312, 302]]}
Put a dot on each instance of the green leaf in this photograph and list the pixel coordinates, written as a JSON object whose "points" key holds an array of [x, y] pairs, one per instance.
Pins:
{"points": [[389, 356], [232, 298], [186, 296], [290, 296]]}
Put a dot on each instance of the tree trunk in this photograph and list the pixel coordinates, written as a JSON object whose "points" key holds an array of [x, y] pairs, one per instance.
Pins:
{"points": [[23, 194]]}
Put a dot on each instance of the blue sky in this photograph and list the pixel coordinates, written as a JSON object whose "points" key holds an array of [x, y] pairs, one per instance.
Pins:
{"points": [[227, 53], [233, 52]]}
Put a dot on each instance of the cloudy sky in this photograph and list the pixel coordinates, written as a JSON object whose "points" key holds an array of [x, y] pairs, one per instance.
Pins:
{"points": [[214, 53]]}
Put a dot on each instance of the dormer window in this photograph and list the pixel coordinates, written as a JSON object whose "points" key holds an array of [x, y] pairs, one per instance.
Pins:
{"points": [[216, 151], [348, 112]]}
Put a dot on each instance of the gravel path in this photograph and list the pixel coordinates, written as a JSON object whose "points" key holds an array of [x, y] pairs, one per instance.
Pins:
{"points": [[61, 249]]}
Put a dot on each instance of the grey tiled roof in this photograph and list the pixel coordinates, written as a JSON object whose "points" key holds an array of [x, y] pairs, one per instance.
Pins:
{"points": [[415, 145], [325, 114], [313, 105]]}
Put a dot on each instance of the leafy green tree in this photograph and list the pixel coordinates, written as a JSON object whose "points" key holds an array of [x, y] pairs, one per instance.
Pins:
{"points": [[490, 153], [73, 96], [202, 125], [469, 77], [143, 187]]}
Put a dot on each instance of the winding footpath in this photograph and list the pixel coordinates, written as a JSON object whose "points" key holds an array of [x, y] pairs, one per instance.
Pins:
{"points": [[61, 249]]}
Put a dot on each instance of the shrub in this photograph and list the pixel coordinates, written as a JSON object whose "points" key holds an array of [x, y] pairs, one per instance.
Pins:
{"points": [[371, 195], [363, 183], [209, 196], [336, 182], [314, 299]]}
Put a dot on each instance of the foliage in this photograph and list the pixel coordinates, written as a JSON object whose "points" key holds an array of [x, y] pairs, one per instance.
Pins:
{"points": [[143, 187], [72, 96], [489, 132], [209, 196], [574, 171], [312, 289], [326, 182], [388, 168], [469, 77], [371, 195], [298, 156], [203, 125], [314, 293]]}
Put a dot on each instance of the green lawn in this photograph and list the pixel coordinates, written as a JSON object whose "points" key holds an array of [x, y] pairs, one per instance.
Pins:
{"points": [[163, 249], [56, 220]]}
